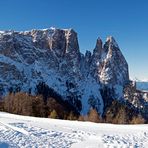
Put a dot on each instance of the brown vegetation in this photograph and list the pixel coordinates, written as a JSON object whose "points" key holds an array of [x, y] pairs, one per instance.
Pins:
{"points": [[93, 116], [1, 105], [53, 115], [119, 113], [29, 105], [26, 104], [137, 120]]}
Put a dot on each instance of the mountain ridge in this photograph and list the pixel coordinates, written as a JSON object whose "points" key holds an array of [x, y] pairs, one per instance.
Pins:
{"points": [[53, 56]]}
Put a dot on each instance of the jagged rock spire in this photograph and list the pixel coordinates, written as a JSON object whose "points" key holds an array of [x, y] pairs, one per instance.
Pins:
{"points": [[111, 41], [108, 63], [99, 44]]}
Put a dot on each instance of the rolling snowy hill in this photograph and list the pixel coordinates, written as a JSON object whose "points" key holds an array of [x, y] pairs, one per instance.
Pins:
{"points": [[26, 132]]}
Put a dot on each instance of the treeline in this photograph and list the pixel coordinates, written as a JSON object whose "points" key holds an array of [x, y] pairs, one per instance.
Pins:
{"points": [[25, 104], [122, 113], [29, 105], [48, 103]]}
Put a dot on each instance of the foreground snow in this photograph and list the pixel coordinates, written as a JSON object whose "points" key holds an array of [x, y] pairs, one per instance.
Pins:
{"points": [[27, 132]]}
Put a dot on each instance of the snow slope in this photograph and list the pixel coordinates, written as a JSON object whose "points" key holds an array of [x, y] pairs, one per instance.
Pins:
{"points": [[27, 132]]}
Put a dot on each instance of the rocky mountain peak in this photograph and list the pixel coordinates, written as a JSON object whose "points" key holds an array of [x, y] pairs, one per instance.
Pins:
{"points": [[108, 64], [99, 44], [115, 69], [111, 41]]}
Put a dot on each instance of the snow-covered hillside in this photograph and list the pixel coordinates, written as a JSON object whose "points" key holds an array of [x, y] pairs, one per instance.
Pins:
{"points": [[19, 131]]}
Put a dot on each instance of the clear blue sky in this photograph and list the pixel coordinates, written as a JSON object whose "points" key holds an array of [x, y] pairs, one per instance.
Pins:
{"points": [[126, 20]]}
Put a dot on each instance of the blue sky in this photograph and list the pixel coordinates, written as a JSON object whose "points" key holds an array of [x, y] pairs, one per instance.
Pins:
{"points": [[126, 20]]}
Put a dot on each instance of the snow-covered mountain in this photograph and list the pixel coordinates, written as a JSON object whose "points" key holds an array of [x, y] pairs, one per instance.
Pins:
{"points": [[20, 131], [53, 56]]}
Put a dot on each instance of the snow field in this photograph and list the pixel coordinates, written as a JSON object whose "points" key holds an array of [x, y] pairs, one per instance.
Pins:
{"points": [[31, 132]]}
